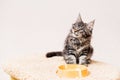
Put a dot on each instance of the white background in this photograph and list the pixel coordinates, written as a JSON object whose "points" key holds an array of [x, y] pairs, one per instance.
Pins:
{"points": [[38, 26]]}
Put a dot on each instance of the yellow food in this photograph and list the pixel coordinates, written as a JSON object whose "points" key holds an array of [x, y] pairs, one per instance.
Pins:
{"points": [[13, 78], [72, 71]]}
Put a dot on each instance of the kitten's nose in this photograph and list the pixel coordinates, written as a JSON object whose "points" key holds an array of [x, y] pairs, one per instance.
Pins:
{"points": [[76, 33]]}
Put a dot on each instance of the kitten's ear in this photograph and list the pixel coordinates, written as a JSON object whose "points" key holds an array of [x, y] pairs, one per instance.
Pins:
{"points": [[90, 25], [79, 19]]}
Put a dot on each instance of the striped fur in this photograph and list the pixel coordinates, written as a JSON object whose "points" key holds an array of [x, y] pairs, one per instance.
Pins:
{"points": [[51, 54], [77, 47]]}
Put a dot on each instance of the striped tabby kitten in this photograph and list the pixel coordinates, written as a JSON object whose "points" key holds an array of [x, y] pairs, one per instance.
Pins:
{"points": [[77, 47]]}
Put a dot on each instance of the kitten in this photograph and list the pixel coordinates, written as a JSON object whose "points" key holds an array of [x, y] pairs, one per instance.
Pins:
{"points": [[77, 47]]}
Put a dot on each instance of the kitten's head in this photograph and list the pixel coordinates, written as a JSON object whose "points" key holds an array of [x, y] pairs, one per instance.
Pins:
{"points": [[81, 29]]}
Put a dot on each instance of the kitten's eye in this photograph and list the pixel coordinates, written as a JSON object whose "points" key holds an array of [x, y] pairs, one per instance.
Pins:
{"points": [[73, 24], [80, 25], [90, 31], [71, 39]]}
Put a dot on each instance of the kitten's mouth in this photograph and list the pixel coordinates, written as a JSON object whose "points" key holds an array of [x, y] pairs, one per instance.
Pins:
{"points": [[78, 29], [76, 35]]}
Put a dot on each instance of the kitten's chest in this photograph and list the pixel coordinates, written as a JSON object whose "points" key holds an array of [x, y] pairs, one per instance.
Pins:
{"points": [[74, 42], [77, 43]]}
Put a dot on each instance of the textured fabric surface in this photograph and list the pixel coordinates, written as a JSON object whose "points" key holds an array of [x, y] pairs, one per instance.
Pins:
{"points": [[38, 67]]}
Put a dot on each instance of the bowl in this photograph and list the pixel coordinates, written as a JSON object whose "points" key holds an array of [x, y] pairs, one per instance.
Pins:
{"points": [[72, 71]]}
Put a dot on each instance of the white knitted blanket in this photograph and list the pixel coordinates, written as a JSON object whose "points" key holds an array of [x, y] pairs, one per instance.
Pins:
{"points": [[38, 67]]}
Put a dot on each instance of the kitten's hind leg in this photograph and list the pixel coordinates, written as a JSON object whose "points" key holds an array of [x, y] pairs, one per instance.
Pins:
{"points": [[88, 61]]}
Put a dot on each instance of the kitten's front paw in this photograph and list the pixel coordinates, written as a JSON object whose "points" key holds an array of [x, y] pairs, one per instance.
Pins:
{"points": [[70, 59], [83, 60]]}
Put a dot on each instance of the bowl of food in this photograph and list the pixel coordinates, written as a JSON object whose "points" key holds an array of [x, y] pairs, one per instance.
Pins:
{"points": [[72, 71]]}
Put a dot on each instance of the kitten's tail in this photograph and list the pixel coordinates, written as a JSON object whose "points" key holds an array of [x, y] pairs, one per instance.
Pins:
{"points": [[51, 54]]}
